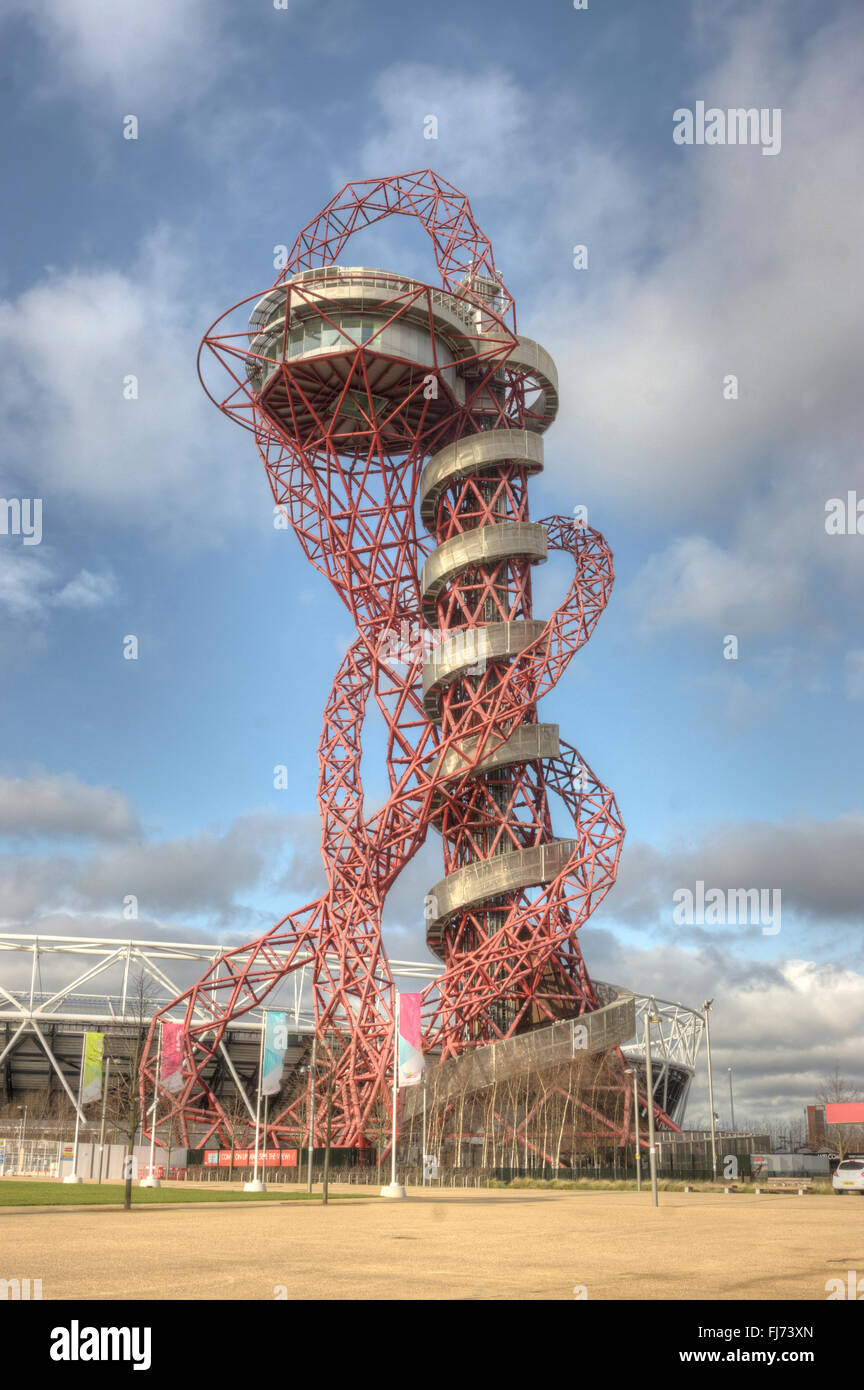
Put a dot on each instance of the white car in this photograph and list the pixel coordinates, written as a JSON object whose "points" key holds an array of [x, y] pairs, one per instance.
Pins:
{"points": [[849, 1176]]}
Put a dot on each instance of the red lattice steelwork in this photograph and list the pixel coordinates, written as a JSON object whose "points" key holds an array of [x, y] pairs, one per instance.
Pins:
{"points": [[372, 396]]}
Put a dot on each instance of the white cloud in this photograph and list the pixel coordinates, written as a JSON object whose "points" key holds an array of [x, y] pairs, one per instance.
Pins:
{"points": [[25, 581], [756, 277], [48, 805], [696, 582], [153, 456], [488, 102], [29, 587], [146, 58], [87, 590], [764, 574]]}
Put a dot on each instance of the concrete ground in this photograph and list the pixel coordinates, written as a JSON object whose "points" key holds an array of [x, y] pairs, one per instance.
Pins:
{"points": [[445, 1244]]}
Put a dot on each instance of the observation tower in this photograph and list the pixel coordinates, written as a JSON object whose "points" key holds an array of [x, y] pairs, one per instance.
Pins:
{"points": [[400, 424]]}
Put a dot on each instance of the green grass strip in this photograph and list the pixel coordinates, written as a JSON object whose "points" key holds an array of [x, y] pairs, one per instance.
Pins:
{"points": [[58, 1194]]}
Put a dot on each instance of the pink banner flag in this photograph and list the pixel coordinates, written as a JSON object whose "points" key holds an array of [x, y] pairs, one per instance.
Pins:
{"points": [[411, 1061], [172, 1057]]}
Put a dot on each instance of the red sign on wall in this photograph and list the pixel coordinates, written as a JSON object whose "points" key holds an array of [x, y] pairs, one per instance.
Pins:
{"points": [[245, 1158], [847, 1112]]}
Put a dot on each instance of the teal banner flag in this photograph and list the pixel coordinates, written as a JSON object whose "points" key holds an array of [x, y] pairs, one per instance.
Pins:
{"points": [[275, 1043]]}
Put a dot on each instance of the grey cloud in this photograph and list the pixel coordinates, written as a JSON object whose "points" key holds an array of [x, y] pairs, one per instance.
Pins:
{"points": [[782, 1026], [44, 805], [816, 865], [189, 875], [192, 877]]}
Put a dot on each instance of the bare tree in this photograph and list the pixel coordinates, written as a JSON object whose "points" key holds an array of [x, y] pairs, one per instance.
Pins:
{"points": [[381, 1125], [125, 1046], [239, 1123]]}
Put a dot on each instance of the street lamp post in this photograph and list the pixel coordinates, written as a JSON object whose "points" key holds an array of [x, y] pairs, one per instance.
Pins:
{"points": [[706, 1009], [312, 1076], [649, 1096], [731, 1100], [325, 1177], [631, 1071]]}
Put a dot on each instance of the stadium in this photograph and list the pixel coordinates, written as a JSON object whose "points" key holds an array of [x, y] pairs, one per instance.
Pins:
{"points": [[56, 988]]}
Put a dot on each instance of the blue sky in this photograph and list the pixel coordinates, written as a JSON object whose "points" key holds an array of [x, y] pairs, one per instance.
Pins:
{"points": [[155, 777]]}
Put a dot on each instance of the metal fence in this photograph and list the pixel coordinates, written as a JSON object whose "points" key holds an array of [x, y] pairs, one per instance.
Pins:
{"points": [[411, 1175], [35, 1157]]}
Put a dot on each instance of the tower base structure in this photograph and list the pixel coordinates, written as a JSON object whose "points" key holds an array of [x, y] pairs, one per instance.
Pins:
{"points": [[547, 1098]]}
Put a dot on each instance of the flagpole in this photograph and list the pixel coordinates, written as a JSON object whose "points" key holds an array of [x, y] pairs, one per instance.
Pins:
{"points": [[423, 1154], [150, 1180], [102, 1126], [73, 1176], [395, 1090], [394, 1189], [258, 1098], [255, 1185], [155, 1101]]}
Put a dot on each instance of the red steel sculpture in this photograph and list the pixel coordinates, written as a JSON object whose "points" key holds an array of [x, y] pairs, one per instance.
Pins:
{"points": [[374, 400]]}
